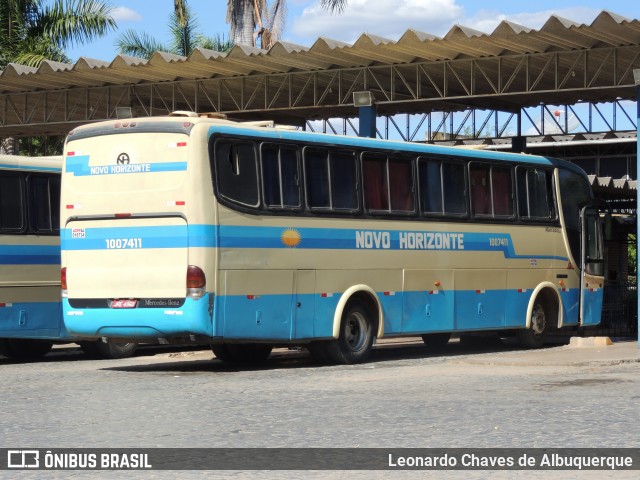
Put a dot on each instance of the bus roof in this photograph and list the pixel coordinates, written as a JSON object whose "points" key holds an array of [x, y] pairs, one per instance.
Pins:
{"points": [[268, 130], [20, 162]]}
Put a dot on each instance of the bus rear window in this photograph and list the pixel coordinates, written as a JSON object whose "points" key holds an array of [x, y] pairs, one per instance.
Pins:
{"points": [[237, 172]]}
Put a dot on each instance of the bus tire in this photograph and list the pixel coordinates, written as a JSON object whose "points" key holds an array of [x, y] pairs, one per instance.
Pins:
{"points": [[357, 333], [221, 352], [248, 353], [541, 318], [436, 341], [108, 350], [24, 349], [318, 352]]}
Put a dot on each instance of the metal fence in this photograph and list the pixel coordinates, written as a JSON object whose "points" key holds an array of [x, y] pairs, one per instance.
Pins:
{"points": [[619, 312]]}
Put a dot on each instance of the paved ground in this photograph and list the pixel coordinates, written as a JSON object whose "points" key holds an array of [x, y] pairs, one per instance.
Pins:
{"points": [[500, 396]]}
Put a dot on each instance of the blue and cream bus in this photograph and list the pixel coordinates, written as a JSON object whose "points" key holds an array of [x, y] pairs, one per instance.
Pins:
{"points": [[248, 236], [30, 307]]}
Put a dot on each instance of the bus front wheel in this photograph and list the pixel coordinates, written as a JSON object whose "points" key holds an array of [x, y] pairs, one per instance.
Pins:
{"points": [[24, 349], [355, 341], [535, 335]]}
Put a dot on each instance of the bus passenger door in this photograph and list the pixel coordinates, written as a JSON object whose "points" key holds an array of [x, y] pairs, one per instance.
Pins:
{"points": [[592, 266]]}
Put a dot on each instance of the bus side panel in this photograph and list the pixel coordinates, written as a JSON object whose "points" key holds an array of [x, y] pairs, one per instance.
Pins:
{"points": [[480, 299], [35, 319], [258, 304], [428, 301], [304, 305], [571, 306], [29, 288], [591, 311], [521, 282]]}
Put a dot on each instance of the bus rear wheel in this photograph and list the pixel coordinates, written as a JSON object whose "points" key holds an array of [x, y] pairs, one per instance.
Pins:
{"points": [[535, 335], [24, 349], [241, 352], [108, 350], [357, 333]]}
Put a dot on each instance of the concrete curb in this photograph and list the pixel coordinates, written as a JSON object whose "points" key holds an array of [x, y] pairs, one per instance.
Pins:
{"points": [[589, 342]]}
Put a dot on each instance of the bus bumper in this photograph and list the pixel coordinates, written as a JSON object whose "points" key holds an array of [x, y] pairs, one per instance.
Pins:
{"points": [[193, 318]]}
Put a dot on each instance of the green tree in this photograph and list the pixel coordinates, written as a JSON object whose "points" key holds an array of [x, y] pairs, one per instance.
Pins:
{"points": [[184, 37], [32, 31], [253, 19]]}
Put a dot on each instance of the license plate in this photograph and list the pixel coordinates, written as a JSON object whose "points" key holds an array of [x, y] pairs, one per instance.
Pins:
{"points": [[124, 303]]}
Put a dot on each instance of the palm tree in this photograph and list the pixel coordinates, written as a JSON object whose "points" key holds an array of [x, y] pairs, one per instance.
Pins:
{"points": [[250, 19], [184, 38], [32, 31]]}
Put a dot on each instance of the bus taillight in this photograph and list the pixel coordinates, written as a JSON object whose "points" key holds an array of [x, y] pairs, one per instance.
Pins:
{"points": [[63, 281], [196, 282]]}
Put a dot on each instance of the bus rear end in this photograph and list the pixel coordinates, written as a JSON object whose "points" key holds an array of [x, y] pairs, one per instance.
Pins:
{"points": [[132, 256]]}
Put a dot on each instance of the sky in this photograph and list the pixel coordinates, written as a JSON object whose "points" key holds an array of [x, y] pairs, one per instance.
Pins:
{"points": [[306, 21]]}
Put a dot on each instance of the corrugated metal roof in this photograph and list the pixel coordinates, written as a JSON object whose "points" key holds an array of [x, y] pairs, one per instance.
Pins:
{"points": [[563, 62], [557, 34]]}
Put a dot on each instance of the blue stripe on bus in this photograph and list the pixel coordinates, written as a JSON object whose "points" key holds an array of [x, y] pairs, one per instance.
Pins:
{"points": [[79, 166], [295, 238], [412, 312], [29, 255], [24, 167]]}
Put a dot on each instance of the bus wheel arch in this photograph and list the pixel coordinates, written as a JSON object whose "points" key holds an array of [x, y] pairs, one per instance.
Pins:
{"points": [[356, 324], [367, 296], [544, 312]]}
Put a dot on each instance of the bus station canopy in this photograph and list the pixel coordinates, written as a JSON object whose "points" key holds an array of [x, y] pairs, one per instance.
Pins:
{"points": [[563, 62]]}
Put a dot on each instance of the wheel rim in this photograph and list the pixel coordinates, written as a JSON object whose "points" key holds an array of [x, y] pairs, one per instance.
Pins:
{"points": [[355, 331], [538, 320]]}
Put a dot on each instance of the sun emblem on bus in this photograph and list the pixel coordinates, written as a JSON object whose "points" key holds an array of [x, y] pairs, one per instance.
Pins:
{"points": [[291, 237]]}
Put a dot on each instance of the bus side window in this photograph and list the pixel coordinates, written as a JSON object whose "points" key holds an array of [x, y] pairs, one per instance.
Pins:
{"points": [[374, 172], [535, 194], [344, 181], [280, 176], [430, 186], [502, 191], [42, 204], [11, 203], [236, 172], [491, 191], [401, 185], [316, 177], [454, 186], [290, 177], [442, 187], [480, 190], [54, 192]]}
